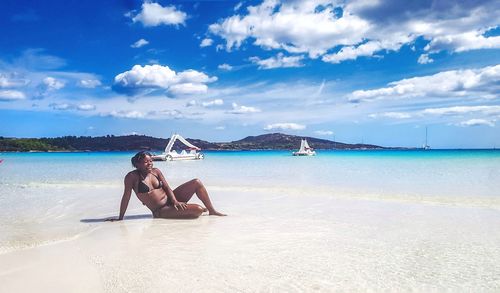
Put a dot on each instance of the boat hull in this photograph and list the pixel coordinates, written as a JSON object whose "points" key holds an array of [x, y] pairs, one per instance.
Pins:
{"points": [[169, 157], [304, 153]]}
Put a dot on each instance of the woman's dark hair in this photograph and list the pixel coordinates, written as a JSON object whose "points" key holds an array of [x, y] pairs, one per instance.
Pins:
{"points": [[139, 156]]}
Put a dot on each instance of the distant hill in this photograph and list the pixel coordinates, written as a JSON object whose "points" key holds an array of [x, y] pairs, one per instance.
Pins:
{"points": [[273, 141], [289, 142]]}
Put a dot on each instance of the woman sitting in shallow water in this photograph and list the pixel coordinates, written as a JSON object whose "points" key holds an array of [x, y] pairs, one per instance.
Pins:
{"points": [[153, 191]]}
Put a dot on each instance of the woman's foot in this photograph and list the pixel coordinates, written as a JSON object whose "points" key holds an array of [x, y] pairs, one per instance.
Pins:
{"points": [[216, 213]]}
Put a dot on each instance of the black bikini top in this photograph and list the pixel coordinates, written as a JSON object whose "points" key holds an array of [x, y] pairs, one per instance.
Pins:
{"points": [[144, 188]]}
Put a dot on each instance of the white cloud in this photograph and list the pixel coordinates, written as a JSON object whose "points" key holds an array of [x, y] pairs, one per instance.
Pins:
{"points": [[225, 67], [480, 82], [323, 132], [477, 122], [191, 103], [216, 102], [345, 30], [461, 42], [126, 114], [353, 52], [238, 6], [206, 42], [61, 106], [425, 59], [188, 88], [285, 126], [89, 83], [11, 95], [86, 107], [37, 60], [52, 83], [461, 110], [12, 80], [220, 127], [295, 26], [153, 14], [151, 77], [194, 77], [139, 43], [240, 109], [171, 114], [279, 61], [395, 115]]}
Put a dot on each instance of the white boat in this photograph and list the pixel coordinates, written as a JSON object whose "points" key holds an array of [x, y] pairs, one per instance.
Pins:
{"points": [[426, 146], [305, 149], [169, 154]]}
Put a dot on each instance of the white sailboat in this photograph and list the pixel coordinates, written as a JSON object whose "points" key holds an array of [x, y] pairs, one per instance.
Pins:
{"points": [[305, 149], [426, 146], [171, 155]]}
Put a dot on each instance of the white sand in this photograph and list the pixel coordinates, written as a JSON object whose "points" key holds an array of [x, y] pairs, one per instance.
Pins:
{"points": [[270, 242]]}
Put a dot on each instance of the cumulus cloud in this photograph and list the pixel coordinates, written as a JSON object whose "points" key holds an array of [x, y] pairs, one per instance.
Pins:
{"points": [[154, 77], [425, 59], [323, 132], [89, 83], [225, 67], [477, 122], [482, 83], [11, 95], [153, 14], [240, 109], [206, 42], [285, 126], [139, 43], [216, 102], [353, 52], [279, 61], [295, 26], [461, 42], [345, 30], [52, 84]]}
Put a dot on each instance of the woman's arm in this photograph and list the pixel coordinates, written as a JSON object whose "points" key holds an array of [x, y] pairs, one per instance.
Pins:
{"points": [[127, 192], [170, 192]]}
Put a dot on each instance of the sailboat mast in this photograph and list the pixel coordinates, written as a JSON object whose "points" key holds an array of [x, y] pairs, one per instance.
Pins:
{"points": [[426, 136]]}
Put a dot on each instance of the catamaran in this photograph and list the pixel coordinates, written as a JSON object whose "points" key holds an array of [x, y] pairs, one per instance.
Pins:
{"points": [[169, 154], [305, 149]]}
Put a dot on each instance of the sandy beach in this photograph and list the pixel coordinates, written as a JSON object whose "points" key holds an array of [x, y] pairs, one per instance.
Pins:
{"points": [[271, 243]]}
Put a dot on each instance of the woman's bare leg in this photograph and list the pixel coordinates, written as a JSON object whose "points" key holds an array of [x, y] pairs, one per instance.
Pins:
{"points": [[192, 211], [185, 191]]}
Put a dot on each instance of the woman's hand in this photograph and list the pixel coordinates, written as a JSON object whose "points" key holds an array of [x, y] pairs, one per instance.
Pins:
{"points": [[180, 205]]}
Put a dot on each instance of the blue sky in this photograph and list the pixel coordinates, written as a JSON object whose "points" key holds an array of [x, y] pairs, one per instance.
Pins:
{"points": [[369, 71]]}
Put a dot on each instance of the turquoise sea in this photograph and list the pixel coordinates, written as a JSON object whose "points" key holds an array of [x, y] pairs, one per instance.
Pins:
{"points": [[465, 174]]}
